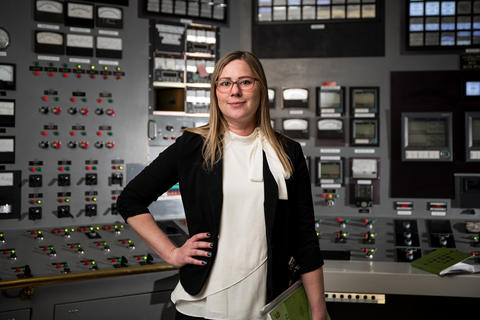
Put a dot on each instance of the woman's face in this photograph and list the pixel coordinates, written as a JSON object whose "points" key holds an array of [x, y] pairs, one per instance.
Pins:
{"points": [[238, 106]]}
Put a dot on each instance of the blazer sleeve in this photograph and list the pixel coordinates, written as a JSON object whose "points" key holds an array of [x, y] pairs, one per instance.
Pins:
{"points": [[159, 176], [306, 248]]}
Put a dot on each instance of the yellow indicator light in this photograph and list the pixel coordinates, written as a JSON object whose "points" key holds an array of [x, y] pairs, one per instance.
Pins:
{"points": [[73, 230], [39, 201], [144, 257], [79, 66], [129, 241], [121, 226], [39, 231], [120, 167], [118, 68], [93, 262], [1, 234], [79, 246], [105, 243], [13, 251], [372, 250], [92, 67], [330, 196], [91, 228], [98, 228], [318, 234], [344, 234], [65, 230], [105, 68], [67, 199]]}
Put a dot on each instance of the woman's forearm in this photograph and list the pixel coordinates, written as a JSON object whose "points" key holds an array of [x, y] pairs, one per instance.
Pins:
{"points": [[313, 283]]}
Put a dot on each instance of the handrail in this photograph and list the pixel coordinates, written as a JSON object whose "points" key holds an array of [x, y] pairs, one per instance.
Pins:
{"points": [[91, 275]]}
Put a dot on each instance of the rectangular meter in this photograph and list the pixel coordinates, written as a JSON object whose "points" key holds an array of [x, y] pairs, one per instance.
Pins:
{"points": [[271, 98], [364, 168], [109, 17], [472, 136], [295, 98], [330, 129], [7, 113], [169, 99], [330, 101], [364, 101], [329, 172], [48, 11], [80, 45], [79, 15], [427, 136], [109, 47], [7, 76], [364, 132], [296, 128], [49, 42]]}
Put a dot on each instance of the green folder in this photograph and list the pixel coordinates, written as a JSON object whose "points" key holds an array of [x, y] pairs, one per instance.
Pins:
{"points": [[443, 261]]}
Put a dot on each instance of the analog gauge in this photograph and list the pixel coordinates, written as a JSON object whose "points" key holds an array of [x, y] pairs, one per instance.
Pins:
{"points": [[81, 11], [108, 43], [4, 39], [79, 41], [49, 6], [295, 94], [109, 13], [50, 38], [330, 125], [271, 95], [295, 124], [6, 73], [364, 168]]}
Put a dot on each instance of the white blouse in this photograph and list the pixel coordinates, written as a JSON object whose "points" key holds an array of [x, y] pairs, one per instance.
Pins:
{"points": [[236, 287]]}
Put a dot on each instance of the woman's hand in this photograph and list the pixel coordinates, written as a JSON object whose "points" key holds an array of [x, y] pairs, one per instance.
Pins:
{"points": [[192, 247]]}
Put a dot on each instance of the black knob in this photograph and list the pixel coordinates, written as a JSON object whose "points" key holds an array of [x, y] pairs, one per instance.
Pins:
{"points": [[43, 144], [72, 144], [99, 111], [72, 110], [43, 110], [99, 144]]}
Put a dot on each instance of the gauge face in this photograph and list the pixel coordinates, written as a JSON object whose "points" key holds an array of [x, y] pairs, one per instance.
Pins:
{"points": [[330, 124], [295, 124], [51, 38], [364, 168], [271, 95], [6, 73], [108, 43], [295, 94], [109, 13], [49, 6], [77, 10], [79, 41], [4, 39]]}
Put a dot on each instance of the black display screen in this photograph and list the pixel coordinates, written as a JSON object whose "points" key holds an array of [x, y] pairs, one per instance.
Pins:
{"points": [[475, 132], [427, 132]]}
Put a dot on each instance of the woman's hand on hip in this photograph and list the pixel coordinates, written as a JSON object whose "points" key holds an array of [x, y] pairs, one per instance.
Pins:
{"points": [[193, 247]]}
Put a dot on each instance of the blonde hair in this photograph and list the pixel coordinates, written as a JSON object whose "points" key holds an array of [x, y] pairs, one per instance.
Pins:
{"points": [[214, 130]]}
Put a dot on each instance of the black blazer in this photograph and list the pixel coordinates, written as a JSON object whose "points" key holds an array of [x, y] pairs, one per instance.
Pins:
{"points": [[289, 223]]}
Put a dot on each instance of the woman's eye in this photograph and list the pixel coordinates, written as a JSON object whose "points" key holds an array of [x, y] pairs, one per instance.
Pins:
{"points": [[246, 82], [225, 83]]}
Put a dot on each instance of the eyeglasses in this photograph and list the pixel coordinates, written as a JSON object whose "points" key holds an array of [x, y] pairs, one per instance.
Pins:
{"points": [[225, 85]]}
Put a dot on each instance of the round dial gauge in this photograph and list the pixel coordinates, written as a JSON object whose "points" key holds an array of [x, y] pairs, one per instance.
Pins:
{"points": [[79, 41], [4, 39], [82, 11], [109, 13], [295, 124], [330, 124], [49, 6], [6, 73], [51, 38], [108, 43]]}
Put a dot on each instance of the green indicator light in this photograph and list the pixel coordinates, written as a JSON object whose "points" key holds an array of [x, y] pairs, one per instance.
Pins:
{"points": [[52, 248], [84, 133], [105, 243], [67, 168], [1, 234], [346, 220], [51, 64], [474, 238], [91, 228], [119, 259], [56, 133], [79, 246], [337, 196], [39, 232], [344, 234], [94, 168], [39, 169], [36, 63], [57, 99], [110, 133], [65, 65], [319, 220], [65, 265], [110, 100], [372, 250], [116, 227], [84, 99]]}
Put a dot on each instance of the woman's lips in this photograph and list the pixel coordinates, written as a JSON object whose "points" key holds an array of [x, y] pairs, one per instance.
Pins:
{"points": [[236, 103]]}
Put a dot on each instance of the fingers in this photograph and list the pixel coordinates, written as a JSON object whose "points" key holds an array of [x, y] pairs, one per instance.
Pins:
{"points": [[199, 236]]}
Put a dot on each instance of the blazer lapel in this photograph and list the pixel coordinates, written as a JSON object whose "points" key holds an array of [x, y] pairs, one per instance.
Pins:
{"points": [[215, 196], [271, 197]]}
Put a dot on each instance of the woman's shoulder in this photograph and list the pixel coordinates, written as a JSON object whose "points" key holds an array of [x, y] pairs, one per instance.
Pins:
{"points": [[189, 137], [290, 146]]}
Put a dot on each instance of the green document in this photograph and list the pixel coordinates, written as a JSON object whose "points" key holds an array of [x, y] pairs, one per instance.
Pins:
{"points": [[294, 307], [443, 261]]}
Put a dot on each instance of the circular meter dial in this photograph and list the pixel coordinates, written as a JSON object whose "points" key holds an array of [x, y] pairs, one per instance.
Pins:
{"points": [[4, 39]]}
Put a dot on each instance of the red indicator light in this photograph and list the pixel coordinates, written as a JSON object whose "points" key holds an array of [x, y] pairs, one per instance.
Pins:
{"points": [[86, 263], [114, 260], [88, 168], [92, 76], [73, 99], [118, 78], [65, 75], [79, 75], [45, 98], [105, 77], [61, 168], [99, 133], [50, 74], [32, 169], [58, 266], [36, 73], [32, 201], [100, 100], [44, 133]]}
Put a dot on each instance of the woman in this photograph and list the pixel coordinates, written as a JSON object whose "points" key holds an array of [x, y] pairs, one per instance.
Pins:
{"points": [[247, 200]]}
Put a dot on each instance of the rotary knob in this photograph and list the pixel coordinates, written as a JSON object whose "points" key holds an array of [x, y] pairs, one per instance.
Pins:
{"points": [[83, 144], [72, 110], [84, 111], [43, 110], [98, 111], [56, 110], [56, 144], [110, 144], [99, 144], [72, 144], [43, 144], [110, 112]]}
